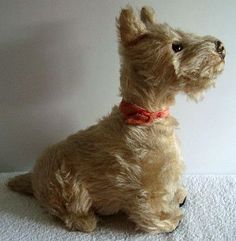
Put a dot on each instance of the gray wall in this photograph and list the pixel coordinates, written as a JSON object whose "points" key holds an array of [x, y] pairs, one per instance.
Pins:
{"points": [[59, 72]]}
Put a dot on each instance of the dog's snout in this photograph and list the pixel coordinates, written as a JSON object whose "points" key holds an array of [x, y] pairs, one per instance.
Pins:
{"points": [[220, 48]]}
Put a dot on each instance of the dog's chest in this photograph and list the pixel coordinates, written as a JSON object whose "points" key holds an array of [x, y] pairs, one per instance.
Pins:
{"points": [[157, 152], [146, 142]]}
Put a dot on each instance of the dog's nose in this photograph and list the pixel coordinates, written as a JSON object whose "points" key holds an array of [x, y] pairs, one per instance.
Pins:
{"points": [[220, 49]]}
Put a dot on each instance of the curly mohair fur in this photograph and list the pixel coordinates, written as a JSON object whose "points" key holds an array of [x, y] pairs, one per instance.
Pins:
{"points": [[136, 169]]}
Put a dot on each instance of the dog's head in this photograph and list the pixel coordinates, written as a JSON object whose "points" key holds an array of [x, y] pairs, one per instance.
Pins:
{"points": [[159, 61]]}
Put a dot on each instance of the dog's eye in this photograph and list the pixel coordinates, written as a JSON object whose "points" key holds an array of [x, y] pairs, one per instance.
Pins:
{"points": [[177, 47]]}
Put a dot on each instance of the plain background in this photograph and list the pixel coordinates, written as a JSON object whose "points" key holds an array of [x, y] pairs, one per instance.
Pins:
{"points": [[59, 72]]}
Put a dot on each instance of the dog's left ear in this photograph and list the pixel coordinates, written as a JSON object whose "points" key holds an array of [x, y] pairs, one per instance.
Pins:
{"points": [[130, 27], [147, 15]]}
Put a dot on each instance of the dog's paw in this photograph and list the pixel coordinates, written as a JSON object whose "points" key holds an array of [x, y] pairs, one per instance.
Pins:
{"points": [[175, 227], [180, 196], [182, 203]]}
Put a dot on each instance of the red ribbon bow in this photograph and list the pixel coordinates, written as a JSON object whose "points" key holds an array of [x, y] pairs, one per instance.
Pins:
{"points": [[135, 115]]}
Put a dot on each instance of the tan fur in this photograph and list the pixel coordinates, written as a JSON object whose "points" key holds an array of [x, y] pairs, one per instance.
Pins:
{"points": [[112, 166]]}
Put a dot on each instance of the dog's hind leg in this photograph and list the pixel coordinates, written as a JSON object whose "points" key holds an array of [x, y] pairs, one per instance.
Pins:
{"points": [[67, 198]]}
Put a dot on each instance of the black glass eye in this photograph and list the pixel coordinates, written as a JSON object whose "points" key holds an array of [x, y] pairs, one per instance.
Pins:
{"points": [[177, 47]]}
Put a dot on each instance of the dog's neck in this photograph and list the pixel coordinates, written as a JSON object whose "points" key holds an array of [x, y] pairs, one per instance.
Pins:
{"points": [[134, 89]]}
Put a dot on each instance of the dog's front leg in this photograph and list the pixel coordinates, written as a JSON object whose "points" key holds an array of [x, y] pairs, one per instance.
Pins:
{"points": [[164, 218]]}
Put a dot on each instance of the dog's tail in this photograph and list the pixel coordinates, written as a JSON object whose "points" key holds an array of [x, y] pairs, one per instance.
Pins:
{"points": [[21, 183]]}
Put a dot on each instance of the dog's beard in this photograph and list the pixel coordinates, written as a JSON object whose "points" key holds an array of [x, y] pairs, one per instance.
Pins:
{"points": [[195, 89]]}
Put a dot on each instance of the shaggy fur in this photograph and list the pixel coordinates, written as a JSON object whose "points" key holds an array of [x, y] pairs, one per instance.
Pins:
{"points": [[137, 169]]}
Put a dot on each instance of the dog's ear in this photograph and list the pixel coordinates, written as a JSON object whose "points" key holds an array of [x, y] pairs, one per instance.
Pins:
{"points": [[129, 26], [147, 15]]}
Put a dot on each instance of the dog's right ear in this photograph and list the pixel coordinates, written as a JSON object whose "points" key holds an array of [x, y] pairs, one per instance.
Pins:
{"points": [[130, 28]]}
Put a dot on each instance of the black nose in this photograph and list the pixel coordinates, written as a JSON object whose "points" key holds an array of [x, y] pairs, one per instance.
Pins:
{"points": [[220, 49]]}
